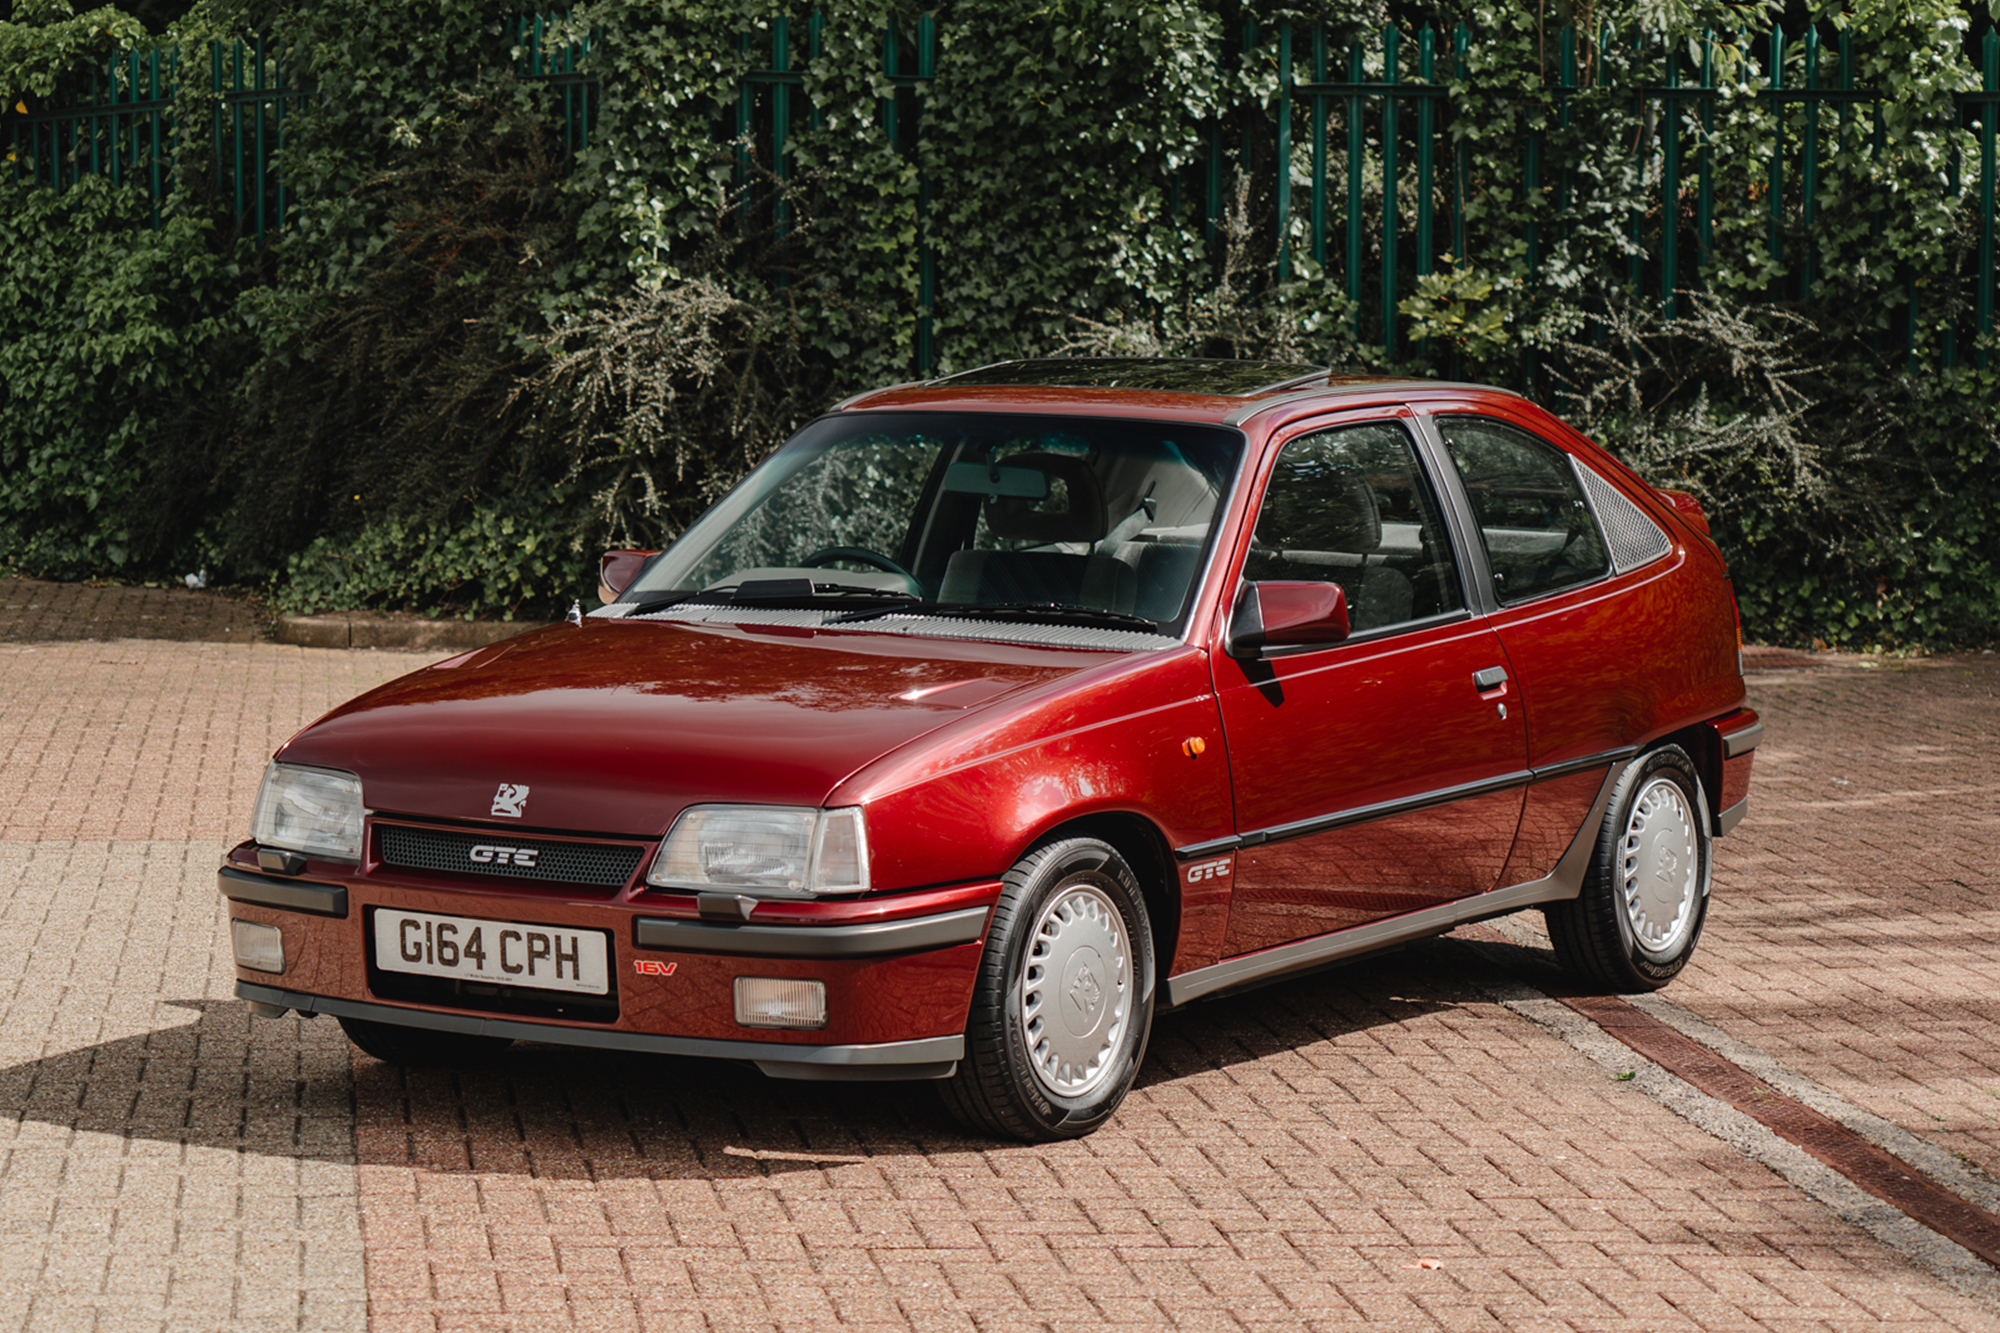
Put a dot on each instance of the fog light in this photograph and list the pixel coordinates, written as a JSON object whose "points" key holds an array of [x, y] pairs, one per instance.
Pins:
{"points": [[780, 1002], [262, 948]]}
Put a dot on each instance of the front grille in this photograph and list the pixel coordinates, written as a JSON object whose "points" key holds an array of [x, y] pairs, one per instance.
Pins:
{"points": [[606, 865]]}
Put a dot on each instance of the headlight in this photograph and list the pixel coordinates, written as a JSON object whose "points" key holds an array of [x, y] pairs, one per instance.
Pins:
{"points": [[313, 810], [772, 848]]}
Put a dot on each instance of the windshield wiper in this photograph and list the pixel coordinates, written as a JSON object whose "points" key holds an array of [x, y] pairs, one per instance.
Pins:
{"points": [[660, 602], [1053, 612], [781, 594]]}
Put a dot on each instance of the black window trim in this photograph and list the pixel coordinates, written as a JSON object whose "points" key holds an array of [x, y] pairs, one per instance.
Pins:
{"points": [[1410, 417], [1467, 521], [1475, 573]]}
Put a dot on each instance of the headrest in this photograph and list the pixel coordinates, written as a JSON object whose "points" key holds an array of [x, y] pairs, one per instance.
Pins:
{"points": [[1354, 523], [1316, 510], [1073, 512]]}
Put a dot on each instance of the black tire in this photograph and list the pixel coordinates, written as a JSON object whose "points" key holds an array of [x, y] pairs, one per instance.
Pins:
{"points": [[1023, 1076], [421, 1048], [1645, 898]]}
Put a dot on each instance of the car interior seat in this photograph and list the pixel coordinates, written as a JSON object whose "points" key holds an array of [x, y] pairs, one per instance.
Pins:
{"points": [[1333, 534], [1070, 513]]}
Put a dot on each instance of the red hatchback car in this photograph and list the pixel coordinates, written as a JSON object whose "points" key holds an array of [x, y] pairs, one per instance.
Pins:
{"points": [[992, 715]]}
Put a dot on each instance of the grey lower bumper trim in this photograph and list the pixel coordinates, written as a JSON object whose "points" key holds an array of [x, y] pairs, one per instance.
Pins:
{"points": [[1742, 742], [1730, 818], [927, 1057], [862, 941], [290, 894]]}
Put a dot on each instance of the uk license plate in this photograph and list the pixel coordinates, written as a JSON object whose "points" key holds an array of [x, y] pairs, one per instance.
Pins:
{"points": [[504, 953]]}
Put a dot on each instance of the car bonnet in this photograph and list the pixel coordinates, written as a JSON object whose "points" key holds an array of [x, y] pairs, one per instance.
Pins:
{"points": [[615, 727]]}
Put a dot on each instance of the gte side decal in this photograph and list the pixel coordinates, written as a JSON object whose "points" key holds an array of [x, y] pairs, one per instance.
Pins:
{"points": [[1217, 869]]}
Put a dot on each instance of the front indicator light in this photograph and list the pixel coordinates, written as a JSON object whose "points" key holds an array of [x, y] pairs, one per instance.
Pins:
{"points": [[780, 1002], [261, 948]]}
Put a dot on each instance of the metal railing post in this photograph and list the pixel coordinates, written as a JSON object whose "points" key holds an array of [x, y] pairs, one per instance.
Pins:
{"points": [[1391, 41], [1284, 181]]}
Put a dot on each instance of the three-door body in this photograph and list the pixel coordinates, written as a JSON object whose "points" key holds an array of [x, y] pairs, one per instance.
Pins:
{"points": [[1454, 749]]}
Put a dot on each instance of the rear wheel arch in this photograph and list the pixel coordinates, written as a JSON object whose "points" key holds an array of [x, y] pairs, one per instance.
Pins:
{"points": [[1638, 917], [1699, 741]]}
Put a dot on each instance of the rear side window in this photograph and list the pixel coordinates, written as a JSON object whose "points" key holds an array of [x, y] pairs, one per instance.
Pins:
{"points": [[1351, 506], [1539, 532]]}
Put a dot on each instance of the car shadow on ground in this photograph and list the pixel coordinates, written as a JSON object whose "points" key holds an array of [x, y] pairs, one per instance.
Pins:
{"points": [[293, 1088], [220, 1080]]}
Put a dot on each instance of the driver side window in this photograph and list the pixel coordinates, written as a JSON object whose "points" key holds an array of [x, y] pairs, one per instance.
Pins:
{"points": [[1352, 506]]}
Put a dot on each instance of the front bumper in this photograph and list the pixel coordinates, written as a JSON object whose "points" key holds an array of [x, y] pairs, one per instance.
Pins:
{"points": [[898, 968], [926, 1057]]}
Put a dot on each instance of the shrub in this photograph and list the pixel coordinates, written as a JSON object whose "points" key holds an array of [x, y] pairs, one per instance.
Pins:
{"points": [[105, 324]]}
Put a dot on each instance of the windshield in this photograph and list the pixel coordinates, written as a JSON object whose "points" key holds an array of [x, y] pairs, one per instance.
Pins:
{"points": [[966, 513]]}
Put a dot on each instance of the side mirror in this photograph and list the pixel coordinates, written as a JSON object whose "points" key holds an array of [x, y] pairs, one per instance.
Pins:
{"points": [[1284, 615], [616, 570]]}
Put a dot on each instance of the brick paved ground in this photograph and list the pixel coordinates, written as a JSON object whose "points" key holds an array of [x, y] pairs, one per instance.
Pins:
{"points": [[165, 1161], [34, 611], [1388, 1145], [1860, 941]]}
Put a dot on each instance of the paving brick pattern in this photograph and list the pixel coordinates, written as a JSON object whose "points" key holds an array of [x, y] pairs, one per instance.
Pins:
{"points": [[1378, 1147], [1382, 1146], [164, 1160], [34, 611], [1857, 938], [133, 739]]}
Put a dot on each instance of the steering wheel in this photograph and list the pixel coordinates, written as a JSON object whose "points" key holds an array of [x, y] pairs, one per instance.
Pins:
{"points": [[826, 555]]}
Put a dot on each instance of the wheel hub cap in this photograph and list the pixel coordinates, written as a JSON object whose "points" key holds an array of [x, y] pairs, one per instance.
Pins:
{"points": [[1076, 991], [1660, 868]]}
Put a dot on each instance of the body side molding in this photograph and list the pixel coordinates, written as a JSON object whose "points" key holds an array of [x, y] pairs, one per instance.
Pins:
{"points": [[1565, 881], [1383, 810]]}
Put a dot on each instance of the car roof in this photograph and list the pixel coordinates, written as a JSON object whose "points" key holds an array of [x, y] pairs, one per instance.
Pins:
{"points": [[1222, 378], [1189, 388]]}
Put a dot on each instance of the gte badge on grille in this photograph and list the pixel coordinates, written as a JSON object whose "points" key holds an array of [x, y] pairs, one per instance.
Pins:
{"points": [[510, 800], [487, 855]]}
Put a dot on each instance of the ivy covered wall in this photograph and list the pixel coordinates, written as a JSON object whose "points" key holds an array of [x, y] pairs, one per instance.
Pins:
{"points": [[475, 354]]}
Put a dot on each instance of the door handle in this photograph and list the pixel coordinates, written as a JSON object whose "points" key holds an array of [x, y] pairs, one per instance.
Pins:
{"points": [[1492, 678]]}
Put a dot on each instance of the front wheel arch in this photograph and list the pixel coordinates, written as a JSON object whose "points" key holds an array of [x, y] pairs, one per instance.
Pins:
{"points": [[1062, 1006], [1146, 851]]}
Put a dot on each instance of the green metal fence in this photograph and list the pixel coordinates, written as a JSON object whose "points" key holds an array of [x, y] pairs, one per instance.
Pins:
{"points": [[1398, 145], [1366, 128], [121, 124]]}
